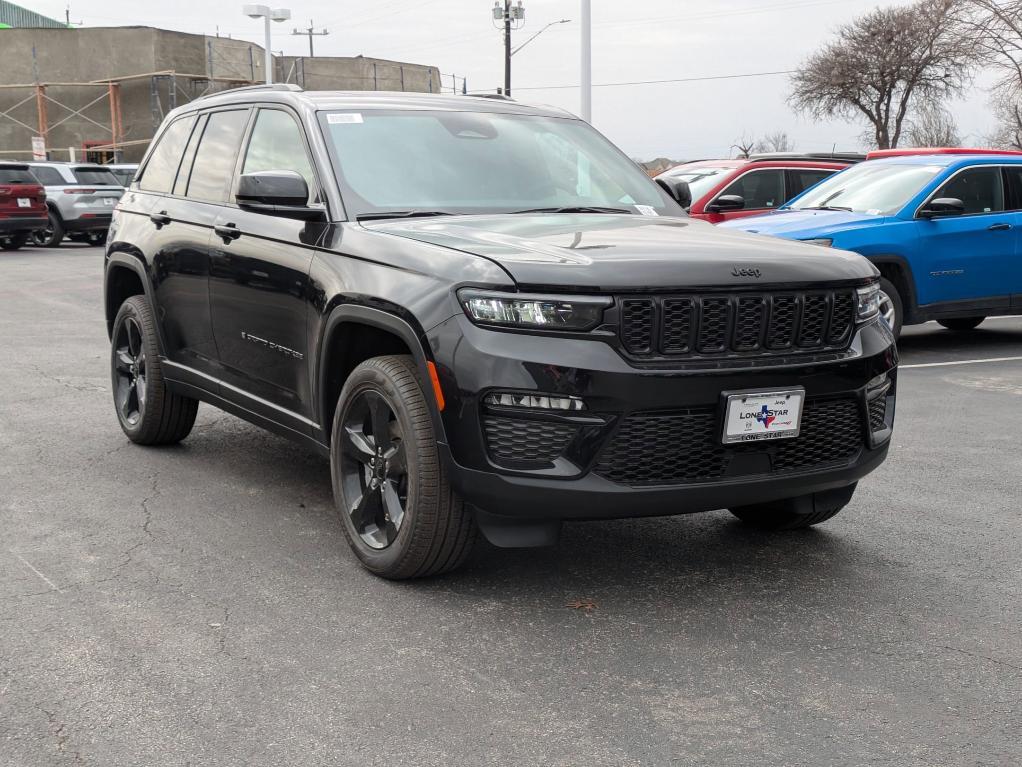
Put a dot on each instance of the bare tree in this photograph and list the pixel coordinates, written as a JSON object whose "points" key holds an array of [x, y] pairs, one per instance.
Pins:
{"points": [[883, 62], [932, 125], [996, 27], [745, 146], [778, 141]]}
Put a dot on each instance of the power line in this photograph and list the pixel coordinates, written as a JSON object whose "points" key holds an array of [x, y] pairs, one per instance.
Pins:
{"points": [[659, 82]]}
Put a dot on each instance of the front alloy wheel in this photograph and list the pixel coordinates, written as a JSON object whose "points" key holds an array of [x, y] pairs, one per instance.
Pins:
{"points": [[400, 515], [375, 476]]}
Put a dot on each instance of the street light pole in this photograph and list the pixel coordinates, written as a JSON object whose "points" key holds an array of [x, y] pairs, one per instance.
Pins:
{"points": [[586, 64], [507, 47], [267, 15]]}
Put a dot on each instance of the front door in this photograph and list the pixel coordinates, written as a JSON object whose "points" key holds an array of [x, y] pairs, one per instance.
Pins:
{"points": [[259, 283], [968, 257]]}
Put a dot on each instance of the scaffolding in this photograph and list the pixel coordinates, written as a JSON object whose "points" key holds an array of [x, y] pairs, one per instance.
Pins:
{"points": [[164, 86]]}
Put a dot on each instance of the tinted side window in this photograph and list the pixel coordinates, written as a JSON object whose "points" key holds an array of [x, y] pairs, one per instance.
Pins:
{"points": [[216, 155], [48, 176], [189, 157], [277, 144], [760, 189], [158, 174], [979, 188], [1013, 182], [801, 179]]}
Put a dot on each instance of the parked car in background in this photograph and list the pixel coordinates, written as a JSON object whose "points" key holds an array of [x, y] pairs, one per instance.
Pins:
{"points": [[944, 228], [22, 205], [124, 171], [722, 190], [81, 199]]}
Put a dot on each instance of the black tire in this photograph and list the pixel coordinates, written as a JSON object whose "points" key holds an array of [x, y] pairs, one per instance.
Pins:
{"points": [[961, 324], [888, 288], [148, 412], [96, 238], [429, 530], [53, 234], [13, 241], [795, 513]]}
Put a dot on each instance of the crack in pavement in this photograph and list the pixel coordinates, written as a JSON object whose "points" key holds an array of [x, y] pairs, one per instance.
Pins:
{"points": [[60, 735]]}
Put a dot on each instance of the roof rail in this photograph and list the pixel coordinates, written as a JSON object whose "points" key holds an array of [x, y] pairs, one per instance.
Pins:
{"points": [[808, 156], [878, 154], [263, 87]]}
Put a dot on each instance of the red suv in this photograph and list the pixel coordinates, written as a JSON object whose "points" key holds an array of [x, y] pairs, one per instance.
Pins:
{"points": [[22, 205], [721, 190]]}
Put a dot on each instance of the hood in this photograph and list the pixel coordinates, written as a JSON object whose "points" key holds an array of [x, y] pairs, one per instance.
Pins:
{"points": [[804, 224], [599, 252]]}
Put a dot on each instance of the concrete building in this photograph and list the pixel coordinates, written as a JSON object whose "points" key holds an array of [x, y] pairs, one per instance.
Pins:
{"points": [[110, 87]]}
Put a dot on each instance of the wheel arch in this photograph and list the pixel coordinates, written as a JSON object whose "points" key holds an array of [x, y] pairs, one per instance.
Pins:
{"points": [[353, 334], [897, 269], [125, 277]]}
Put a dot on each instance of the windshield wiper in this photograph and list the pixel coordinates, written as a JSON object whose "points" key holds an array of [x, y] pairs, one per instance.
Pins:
{"points": [[576, 209], [828, 207], [402, 214]]}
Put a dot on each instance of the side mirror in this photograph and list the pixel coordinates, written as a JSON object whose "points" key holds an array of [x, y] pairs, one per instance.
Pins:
{"points": [[277, 193], [943, 206], [726, 202], [678, 189]]}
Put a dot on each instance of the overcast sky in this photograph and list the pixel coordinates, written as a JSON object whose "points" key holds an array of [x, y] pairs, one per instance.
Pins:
{"points": [[632, 41]]}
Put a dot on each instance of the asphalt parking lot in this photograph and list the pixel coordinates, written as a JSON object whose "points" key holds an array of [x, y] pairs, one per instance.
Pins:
{"points": [[198, 605]]}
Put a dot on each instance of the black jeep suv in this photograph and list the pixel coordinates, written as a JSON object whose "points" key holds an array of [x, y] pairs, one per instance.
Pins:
{"points": [[488, 318]]}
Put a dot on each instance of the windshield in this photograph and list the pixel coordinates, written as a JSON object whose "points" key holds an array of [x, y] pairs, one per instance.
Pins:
{"points": [[874, 189], [469, 162], [700, 180], [95, 177]]}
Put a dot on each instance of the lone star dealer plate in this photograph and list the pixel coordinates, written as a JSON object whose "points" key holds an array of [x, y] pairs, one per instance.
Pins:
{"points": [[759, 415]]}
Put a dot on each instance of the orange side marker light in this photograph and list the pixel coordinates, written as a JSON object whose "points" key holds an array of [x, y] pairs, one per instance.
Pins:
{"points": [[435, 380]]}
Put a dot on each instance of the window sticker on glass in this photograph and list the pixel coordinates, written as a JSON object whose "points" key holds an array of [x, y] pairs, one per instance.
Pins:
{"points": [[646, 210], [347, 117]]}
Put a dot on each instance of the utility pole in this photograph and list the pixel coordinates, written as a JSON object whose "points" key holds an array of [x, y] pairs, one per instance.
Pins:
{"points": [[509, 14], [586, 63], [311, 32]]}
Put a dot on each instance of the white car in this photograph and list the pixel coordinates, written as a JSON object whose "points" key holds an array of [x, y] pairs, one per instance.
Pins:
{"points": [[81, 198]]}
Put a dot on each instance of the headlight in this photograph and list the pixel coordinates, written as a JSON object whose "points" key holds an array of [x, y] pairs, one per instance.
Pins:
{"points": [[824, 241], [867, 302], [537, 312]]}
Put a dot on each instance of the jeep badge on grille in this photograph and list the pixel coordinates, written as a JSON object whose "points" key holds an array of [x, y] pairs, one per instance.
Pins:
{"points": [[746, 271]]}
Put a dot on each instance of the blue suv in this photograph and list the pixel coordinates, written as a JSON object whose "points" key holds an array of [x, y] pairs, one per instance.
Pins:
{"points": [[945, 231]]}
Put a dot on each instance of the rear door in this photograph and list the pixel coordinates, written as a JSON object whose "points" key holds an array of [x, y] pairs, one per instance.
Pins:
{"points": [[1012, 175], [259, 283], [968, 257]]}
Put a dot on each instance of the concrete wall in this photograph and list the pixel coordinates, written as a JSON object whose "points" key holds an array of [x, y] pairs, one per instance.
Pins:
{"points": [[357, 74], [85, 54]]}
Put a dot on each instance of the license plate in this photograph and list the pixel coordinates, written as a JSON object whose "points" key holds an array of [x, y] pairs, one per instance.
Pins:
{"points": [[109, 201], [24, 202], [754, 415]]}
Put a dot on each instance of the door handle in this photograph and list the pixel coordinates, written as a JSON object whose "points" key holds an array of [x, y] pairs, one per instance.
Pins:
{"points": [[161, 219], [999, 227], [227, 232]]}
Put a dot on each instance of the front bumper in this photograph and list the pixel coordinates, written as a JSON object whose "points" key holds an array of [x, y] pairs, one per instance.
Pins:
{"points": [[589, 473]]}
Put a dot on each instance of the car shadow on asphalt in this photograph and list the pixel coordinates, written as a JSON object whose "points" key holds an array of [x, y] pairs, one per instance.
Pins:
{"points": [[986, 340]]}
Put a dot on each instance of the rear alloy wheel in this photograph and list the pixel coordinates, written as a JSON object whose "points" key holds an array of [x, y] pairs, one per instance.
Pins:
{"points": [[400, 515], [148, 412], [891, 306], [13, 241], [962, 324], [52, 235]]}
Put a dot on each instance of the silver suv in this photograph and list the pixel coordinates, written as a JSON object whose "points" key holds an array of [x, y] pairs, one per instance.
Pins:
{"points": [[81, 198]]}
